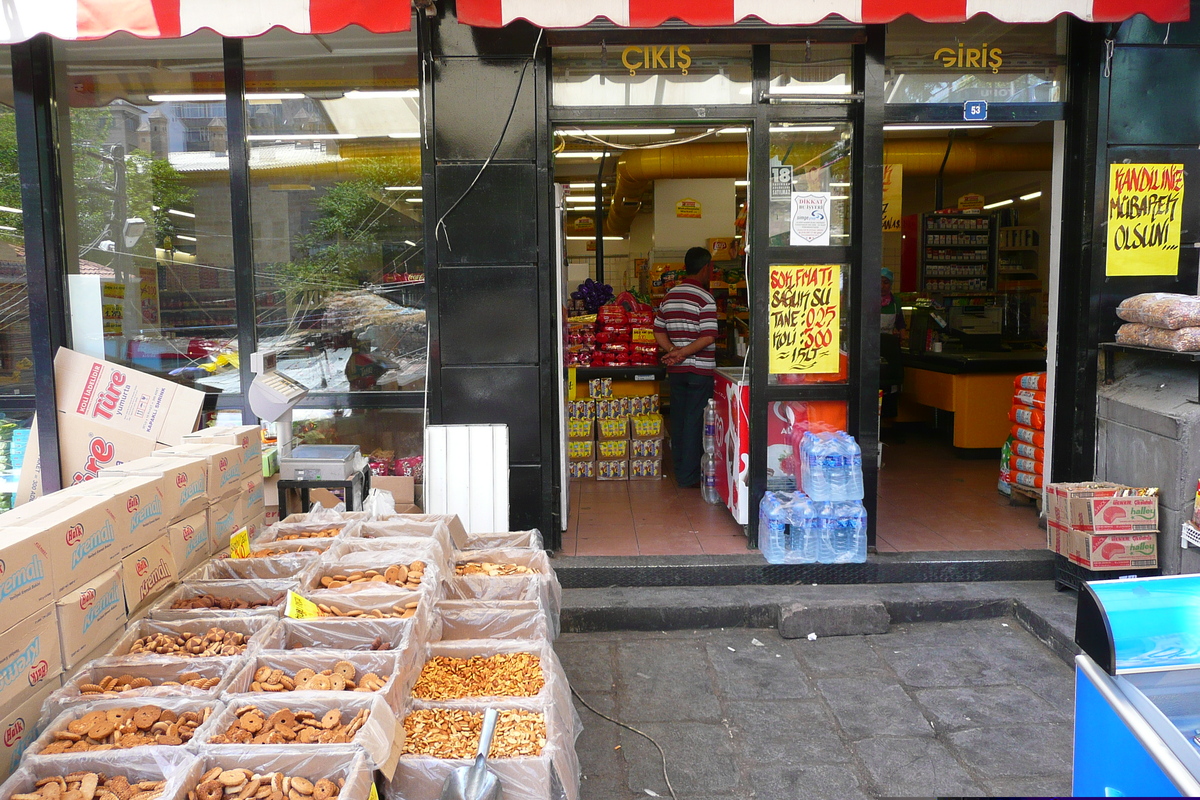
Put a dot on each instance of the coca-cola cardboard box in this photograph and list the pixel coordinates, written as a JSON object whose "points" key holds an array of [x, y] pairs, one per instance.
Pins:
{"points": [[30, 657], [138, 506], [184, 482], [248, 438], [148, 573], [89, 615], [80, 531], [108, 414], [224, 465], [190, 542], [20, 726]]}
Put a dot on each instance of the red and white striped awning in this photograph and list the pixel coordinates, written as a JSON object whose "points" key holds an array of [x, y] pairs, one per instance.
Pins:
{"points": [[169, 19], [652, 13]]}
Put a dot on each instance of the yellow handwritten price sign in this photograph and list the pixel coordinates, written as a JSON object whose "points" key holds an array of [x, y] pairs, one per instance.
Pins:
{"points": [[239, 544], [805, 307], [1145, 213], [893, 196], [301, 607]]}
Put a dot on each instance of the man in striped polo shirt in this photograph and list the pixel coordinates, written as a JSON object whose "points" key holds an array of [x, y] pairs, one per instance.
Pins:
{"points": [[685, 326]]}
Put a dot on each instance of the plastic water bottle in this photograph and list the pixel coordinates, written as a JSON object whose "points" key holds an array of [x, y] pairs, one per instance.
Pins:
{"points": [[847, 537], [710, 426], [858, 546], [708, 478], [773, 513], [814, 475], [835, 467], [852, 465], [802, 543], [824, 522]]}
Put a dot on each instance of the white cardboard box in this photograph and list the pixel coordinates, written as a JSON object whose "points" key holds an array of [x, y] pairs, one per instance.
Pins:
{"points": [[190, 542], [184, 482], [138, 507], [90, 615], [26, 579], [30, 656], [148, 573], [247, 437], [21, 725], [81, 536], [224, 520], [224, 465]]}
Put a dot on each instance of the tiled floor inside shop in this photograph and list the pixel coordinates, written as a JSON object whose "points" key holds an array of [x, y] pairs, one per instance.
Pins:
{"points": [[929, 500]]}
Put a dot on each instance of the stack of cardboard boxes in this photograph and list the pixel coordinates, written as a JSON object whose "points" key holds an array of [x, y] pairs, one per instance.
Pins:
{"points": [[1102, 526], [612, 438]]}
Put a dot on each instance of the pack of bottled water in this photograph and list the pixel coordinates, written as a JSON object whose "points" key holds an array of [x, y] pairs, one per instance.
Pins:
{"points": [[794, 529], [831, 467]]}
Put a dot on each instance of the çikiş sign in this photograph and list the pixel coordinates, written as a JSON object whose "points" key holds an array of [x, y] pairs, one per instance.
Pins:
{"points": [[660, 57]]}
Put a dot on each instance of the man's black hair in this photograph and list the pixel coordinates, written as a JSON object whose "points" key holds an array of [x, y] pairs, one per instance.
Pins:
{"points": [[696, 259]]}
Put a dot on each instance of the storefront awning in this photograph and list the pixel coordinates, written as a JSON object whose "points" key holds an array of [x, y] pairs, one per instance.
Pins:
{"points": [[169, 19], [651, 13]]}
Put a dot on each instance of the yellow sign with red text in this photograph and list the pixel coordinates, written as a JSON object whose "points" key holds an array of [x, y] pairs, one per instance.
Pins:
{"points": [[1145, 214], [805, 306]]}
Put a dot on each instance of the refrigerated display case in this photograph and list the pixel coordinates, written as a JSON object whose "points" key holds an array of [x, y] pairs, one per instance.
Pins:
{"points": [[1137, 688]]}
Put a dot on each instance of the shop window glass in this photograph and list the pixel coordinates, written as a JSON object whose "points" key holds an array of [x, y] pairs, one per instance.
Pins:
{"points": [[392, 440], [149, 234], [335, 165], [980, 59], [16, 349], [817, 72], [651, 75], [810, 163], [808, 323]]}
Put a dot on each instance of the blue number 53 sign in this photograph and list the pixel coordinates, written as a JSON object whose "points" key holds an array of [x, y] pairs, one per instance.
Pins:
{"points": [[975, 111]]}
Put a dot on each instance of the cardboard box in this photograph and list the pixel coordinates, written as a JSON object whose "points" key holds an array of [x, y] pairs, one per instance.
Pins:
{"points": [[21, 725], [247, 438], [148, 573], [190, 542], [253, 498], [402, 487], [98, 650], [581, 429], [224, 463], [1110, 551], [224, 519], [184, 482], [81, 536], [26, 579], [86, 448], [612, 428], [581, 470], [608, 449], [581, 450], [30, 656], [1114, 514], [1058, 496], [1058, 538], [612, 470], [137, 508], [255, 526], [645, 469], [90, 614]]}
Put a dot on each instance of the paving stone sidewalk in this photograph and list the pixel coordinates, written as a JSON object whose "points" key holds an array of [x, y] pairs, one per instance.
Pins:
{"points": [[974, 708]]}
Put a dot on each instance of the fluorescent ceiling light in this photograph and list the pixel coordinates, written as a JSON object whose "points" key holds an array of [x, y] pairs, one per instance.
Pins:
{"points": [[1031, 196], [802, 128], [402, 188], [10, 210], [371, 94], [298, 137], [593, 238], [185, 237], [210, 98], [907, 127], [179, 213], [410, 243], [732, 130], [1007, 202], [413, 200], [583, 185], [810, 88], [405, 135], [840, 184], [840, 197], [741, 183], [582, 208], [577, 154], [580, 198], [618, 132], [7, 228]]}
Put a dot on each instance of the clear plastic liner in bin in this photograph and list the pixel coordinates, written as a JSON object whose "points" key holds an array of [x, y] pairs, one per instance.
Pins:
{"points": [[270, 596], [315, 531], [359, 634], [551, 775], [177, 705], [426, 624], [257, 627], [531, 539], [494, 619], [178, 769], [431, 579], [331, 762], [158, 671], [379, 547], [401, 527], [380, 737], [542, 586], [384, 664], [293, 566]]}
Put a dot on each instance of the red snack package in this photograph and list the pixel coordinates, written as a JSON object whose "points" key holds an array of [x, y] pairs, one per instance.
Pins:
{"points": [[379, 466], [615, 347], [640, 319], [410, 467], [616, 334], [611, 314]]}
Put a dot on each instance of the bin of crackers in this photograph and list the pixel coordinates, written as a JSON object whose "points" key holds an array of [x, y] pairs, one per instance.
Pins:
{"points": [[333, 671], [359, 634], [330, 526], [289, 548], [165, 775], [273, 564], [307, 720], [435, 528], [230, 598], [392, 548], [397, 570], [493, 619], [386, 604], [116, 724], [531, 539], [141, 681], [337, 773], [198, 637]]}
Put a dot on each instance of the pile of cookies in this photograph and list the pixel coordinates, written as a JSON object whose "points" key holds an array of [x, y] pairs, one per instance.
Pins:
{"points": [[92, 785], [290, 727], [323, 533], [112, 684], [120, 728], [214, 642], [454, 733], [407, 576], [406, 611], [210, 602], [501, 675], [491, 569], [342, 678], [242, 784]]}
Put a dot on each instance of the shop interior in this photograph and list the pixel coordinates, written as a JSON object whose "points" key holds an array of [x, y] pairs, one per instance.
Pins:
{"points": [[995, 307]]}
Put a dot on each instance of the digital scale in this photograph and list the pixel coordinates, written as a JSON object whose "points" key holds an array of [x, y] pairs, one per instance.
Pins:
{"points": [[272, 397]]}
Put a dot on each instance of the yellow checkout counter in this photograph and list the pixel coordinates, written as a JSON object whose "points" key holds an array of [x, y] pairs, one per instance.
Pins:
{"points": [[977, 387]]}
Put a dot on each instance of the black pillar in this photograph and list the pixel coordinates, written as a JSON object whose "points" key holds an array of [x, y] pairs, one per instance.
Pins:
{"points": [[489, 270]]}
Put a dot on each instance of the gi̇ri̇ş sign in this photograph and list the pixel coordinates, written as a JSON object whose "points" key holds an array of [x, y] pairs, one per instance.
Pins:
{"points": [[810, 219]]}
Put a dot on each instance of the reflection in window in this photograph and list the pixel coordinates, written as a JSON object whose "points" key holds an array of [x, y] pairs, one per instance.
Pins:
{"points": [[148, 216], [335, 164], [647, 75], [813, 161], [392, 440], [818, 72]]}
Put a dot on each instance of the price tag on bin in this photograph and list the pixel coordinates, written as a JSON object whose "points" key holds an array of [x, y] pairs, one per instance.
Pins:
{"points": [[301, 607], [239, 544]]}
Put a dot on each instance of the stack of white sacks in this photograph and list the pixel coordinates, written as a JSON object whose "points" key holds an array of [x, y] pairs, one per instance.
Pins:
{"points": [[319, 600]]}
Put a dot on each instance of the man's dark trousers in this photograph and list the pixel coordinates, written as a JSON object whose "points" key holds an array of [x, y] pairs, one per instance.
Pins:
{"points": [[690, 393]]}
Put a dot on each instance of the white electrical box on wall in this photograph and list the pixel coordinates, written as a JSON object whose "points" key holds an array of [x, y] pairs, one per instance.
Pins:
{"points": [[466, 473]]}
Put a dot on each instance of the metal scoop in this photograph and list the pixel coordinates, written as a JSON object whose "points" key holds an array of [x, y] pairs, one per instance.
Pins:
{"points": [[476, 782]]}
